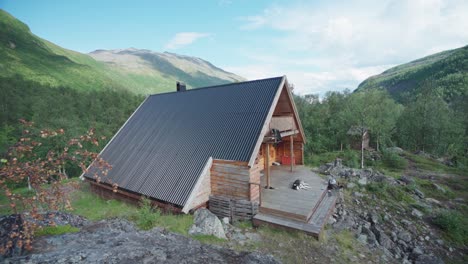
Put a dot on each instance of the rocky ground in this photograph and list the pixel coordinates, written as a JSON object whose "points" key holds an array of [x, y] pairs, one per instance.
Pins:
{"points": [[119, 241], [402, 233]]}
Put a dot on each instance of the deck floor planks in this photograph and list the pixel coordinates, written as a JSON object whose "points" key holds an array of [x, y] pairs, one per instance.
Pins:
{"points": [[300, 204]]}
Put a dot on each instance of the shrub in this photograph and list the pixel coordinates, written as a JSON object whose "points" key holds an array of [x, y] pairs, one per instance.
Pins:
{"points": [[148, 216], [393, 161], [351, 159], [454, 225]]}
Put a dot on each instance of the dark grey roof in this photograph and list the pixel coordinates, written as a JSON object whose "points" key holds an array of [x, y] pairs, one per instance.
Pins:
{"points": [[164, 146]]}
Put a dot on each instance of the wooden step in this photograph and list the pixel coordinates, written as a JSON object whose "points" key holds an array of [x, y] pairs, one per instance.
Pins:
{"points": [[264, 219], [312, 227], [271, 209]]}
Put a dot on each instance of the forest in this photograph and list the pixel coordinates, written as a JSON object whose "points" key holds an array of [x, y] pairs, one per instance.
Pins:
{"points": [[425, 123], [64, 108]]}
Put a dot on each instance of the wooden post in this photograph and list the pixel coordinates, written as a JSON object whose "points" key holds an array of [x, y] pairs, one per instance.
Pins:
{"points": [[267, 168], [292, 151]]}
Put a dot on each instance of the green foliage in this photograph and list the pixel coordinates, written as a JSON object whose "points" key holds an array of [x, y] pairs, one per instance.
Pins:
{"points": [[393, 161], [388, 192], [61, 108], [351, 159], [148, 216], [55, 230], [94, 208], [454, 225]]}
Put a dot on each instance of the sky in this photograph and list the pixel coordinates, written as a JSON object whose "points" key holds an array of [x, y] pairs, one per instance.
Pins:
{"points": [[319, 45]]}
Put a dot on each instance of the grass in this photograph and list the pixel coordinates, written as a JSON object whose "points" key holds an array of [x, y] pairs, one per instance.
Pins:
{"points": [[91, 206], [454, 225], [55, 230]]}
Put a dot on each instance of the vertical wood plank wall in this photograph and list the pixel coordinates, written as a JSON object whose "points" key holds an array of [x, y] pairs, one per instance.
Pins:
{"points": [[283, 149]]}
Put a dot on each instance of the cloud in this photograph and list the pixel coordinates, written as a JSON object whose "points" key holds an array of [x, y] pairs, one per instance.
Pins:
{"points": [[183, 39], [336, 44]]}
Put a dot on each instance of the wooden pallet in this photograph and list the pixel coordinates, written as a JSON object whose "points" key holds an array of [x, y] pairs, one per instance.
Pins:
{"points": [[234, 209]]}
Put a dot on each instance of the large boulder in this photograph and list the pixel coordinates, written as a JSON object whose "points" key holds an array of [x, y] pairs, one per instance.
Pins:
{"points": [[206, 223]]}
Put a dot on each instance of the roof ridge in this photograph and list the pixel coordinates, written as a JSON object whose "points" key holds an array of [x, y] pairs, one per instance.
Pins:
{"points": [[220, 85]]}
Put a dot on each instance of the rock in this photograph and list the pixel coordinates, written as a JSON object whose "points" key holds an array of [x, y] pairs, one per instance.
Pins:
{"points": [[396, 150], [439, 188], [350, 185], [374, 218], [331, 220], [419, 193], [362, 181], [10, 227], [385, 241], [459, 200], [362, 238], [118, 241], [358, 194], [405, 236], [416, 252], [417, 213], [407, 179], [206, 223], [428, 259], [226, 220]]}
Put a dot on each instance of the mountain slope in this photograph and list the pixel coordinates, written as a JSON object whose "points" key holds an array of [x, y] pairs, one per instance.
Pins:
{"points": [[166, 68], [446, 71], [30, 57]]}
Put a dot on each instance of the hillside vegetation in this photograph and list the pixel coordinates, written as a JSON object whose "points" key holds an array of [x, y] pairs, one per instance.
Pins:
{"points": [[446, 72], [59, 88], [24, 54]]}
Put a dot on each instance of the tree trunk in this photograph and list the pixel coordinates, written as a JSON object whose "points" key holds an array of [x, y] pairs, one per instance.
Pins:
{"points": [[341, 147], [362, 150], [29, 183], [378, 138]]}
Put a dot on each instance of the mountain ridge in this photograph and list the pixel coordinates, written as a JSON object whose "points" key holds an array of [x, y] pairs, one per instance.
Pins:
{"points": [[33, 58], [445, 71]]}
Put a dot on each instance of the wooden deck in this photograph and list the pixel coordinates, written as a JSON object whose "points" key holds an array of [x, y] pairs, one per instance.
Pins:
{"points": [[306, 210], [286, 202]]}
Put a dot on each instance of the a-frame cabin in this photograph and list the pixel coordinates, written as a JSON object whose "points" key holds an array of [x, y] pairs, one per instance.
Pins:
{"points": [[233, 148]]}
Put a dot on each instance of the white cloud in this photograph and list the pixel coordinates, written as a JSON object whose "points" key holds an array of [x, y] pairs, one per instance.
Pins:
{"points": [[183, 39], [337, 44]]}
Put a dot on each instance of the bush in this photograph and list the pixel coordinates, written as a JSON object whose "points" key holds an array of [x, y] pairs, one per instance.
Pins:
{"points": [[148, 216], [393, 161], [454, 225], [351, 159]]}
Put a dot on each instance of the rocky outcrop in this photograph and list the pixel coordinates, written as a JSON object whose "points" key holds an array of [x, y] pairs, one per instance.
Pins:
{"points": [[206, 223], [118, 241]]}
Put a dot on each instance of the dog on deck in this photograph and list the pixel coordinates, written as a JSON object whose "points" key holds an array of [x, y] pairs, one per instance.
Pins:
{"points": [[300, 185]]}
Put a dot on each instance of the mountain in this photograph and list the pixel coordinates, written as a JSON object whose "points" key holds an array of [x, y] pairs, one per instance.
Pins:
{"points": [[147, 67], [446, 71], [32, 58]]}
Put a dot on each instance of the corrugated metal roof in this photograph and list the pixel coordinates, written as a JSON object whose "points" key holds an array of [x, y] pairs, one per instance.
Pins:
{"points": [[162, 149]]}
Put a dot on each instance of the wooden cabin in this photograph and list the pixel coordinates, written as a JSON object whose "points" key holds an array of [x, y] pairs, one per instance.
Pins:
{"points": [[233, 148]]}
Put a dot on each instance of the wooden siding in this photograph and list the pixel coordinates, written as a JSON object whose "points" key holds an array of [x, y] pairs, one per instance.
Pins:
{"points": [[283, 149], [202, 190], [283, 123], [230, 179]]}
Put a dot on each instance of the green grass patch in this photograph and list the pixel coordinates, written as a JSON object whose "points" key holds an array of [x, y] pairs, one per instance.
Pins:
{"points": [[389, 193], [209, 239], [350, 158], [55, 230], [430, 164], [91, 206], [393, 161], [454, 225]]}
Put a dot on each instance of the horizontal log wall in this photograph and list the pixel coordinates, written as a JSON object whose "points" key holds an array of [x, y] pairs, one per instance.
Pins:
{"points": [[234, 209], [230, 179]]}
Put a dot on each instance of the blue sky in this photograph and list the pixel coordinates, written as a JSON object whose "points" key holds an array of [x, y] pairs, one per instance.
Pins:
{"points": [[319, 45]]}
